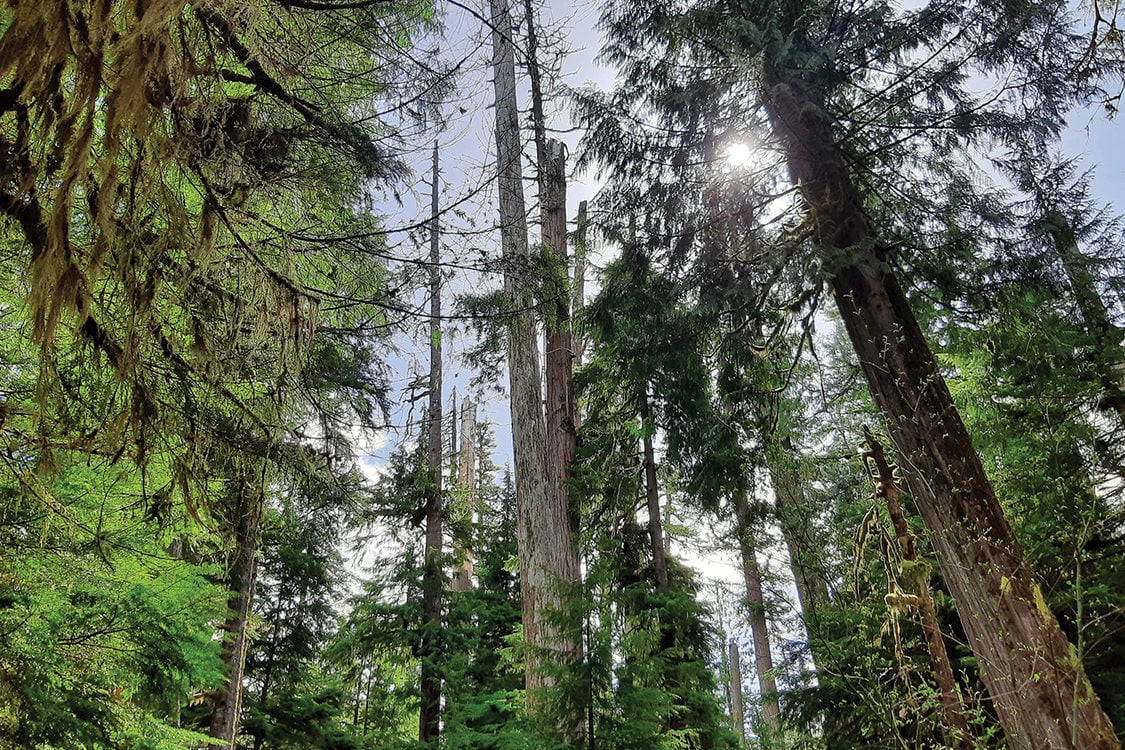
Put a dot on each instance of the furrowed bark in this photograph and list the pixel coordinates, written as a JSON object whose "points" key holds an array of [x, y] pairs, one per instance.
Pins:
{"points": [[1037, 684], [542, 521]]}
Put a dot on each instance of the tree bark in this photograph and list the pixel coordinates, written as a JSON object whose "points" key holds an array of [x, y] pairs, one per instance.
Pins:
{"points": [[466, 482], [756, 604], [547, 558], [794, 519], [561, 433], [579, 278], [429, 716], [244, 518], [957, 725], [1039, 689], [736, 716]]}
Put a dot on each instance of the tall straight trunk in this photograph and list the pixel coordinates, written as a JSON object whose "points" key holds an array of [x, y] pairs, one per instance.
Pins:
{"points": [[546, 554], [794, 516], [579, 294], [652, 494], [957, 725], [559, 344], [429, 715], [736, 716], [466, 483], [1041, 694], [244, 519], [561, 433], [756, 604]]}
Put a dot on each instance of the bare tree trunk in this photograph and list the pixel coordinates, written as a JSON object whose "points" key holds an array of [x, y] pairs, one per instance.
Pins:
{"points": [[558, 531], [244, 518], [429, 716], [561, 432], [652, 493], [1040, 691], [756, 604], [547, 556], [957, 726], [736, 716], [580, 277], [466, 481]]}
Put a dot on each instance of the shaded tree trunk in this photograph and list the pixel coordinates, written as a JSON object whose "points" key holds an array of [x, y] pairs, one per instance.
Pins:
{"points": [[756, 604], [466, 482], [430, 712], [794, 516], [1038, 686], [244, 518], [736, 716], [579, 277]]}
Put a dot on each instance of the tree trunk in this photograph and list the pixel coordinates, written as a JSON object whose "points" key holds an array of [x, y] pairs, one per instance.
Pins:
{"points": [[579, 278], [561, 433], [1040, 691], [957, 726], [652, 493], [756, 604], [736, 716], [466, 482], [244, 518], [794, 516], [430, 712], [546, 554]]}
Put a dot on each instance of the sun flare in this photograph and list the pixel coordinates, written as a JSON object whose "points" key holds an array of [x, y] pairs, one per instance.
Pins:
{"points": [[739, 154]]}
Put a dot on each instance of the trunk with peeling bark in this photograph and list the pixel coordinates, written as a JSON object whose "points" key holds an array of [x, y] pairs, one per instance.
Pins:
{"points": [[243, 517], [756, 605], [1040, 692]]}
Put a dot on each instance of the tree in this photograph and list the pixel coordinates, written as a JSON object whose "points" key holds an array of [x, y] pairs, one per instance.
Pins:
{"points": [[433, 579], [548, 559]]}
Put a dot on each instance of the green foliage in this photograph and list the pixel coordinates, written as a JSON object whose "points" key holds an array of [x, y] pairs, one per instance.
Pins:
{"points": [[106, 636]]}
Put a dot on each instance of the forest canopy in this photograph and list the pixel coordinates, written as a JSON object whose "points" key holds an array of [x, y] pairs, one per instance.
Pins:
{"points": [[328, 425]]}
